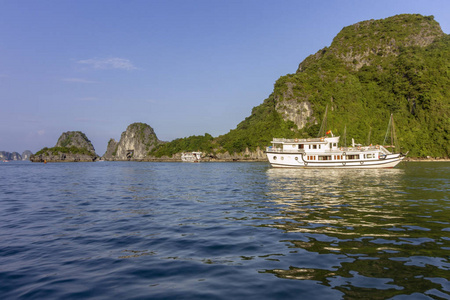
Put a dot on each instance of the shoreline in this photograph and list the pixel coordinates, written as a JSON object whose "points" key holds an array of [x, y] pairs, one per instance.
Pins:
{"points": [[412, 159], [229, 159], [419, 159]]}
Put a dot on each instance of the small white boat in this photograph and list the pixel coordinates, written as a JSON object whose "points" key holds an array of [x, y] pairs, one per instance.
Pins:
{"points": [[191, 156], [324, 152]]}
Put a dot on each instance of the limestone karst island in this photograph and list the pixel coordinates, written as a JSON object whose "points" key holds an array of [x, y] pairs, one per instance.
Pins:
{"points": [[372, 69]]}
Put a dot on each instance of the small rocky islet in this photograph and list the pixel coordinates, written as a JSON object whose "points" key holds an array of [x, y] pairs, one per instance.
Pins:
{"points": [[72, 146]]}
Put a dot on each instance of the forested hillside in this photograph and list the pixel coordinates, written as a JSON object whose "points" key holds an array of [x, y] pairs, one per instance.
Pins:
{"points": [[398, 65]]}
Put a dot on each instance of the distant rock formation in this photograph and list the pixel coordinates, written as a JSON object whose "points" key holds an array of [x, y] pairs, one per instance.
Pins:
{"points": [[15, 155], [72, 146], [135, 143], [26, 155]]}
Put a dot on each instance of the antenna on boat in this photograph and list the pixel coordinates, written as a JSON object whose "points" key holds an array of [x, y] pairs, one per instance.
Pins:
{"points": [[324, 124]]}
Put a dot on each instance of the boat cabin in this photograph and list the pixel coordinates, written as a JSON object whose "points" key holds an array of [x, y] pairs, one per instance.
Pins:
{"points": [[317, 145]]}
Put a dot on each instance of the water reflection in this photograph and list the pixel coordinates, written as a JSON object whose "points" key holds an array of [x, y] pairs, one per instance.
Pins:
{"points": [[384, 237]]}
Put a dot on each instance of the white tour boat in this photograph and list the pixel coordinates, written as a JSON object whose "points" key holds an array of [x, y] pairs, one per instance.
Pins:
{"points": [[324, 152], [191, 156]]}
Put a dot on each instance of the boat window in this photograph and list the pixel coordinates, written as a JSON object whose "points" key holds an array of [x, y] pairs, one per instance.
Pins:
{"points": [[314, 146], [274, 158], [301, 146], [353, 156], [324, 157]]}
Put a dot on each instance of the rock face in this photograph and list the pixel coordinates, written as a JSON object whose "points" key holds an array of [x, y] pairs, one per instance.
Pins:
{"points": [[75, 139], [111, 149], [299, 112], [12, 156], [62, 157], [15, 156], [134, 144], [26, 155], [247, 155], [5, 155], [72, 146]]}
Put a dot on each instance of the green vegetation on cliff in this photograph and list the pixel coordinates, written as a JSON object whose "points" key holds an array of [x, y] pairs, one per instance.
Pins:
{"points": [[66, 150], [202, 143]]}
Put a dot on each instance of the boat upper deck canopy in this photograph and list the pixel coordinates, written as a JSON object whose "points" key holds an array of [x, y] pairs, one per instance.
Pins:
{"points": [[334, 139]]}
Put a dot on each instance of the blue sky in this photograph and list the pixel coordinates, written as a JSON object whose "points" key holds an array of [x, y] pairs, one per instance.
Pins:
{"points": [[183, 67]]}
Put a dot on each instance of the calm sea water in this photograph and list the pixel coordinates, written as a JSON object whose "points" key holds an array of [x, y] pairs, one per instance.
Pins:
{"points": [[123, 230]]}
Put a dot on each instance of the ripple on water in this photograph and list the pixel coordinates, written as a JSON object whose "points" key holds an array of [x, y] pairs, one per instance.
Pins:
{"points": [[221, 231]]}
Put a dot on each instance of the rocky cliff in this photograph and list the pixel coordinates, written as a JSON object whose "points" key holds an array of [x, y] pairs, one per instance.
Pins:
{"points": [[369, 42], [72, 146], [372, 69], [134, 144], [356, 48]]}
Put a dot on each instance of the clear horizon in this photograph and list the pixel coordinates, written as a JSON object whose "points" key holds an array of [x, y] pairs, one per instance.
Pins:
{"points": [[183, 67]]}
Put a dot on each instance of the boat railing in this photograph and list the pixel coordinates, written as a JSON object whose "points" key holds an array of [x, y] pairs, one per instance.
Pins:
{"points": [[363, 149], [343, 149], [283, 140], [280, 150]]}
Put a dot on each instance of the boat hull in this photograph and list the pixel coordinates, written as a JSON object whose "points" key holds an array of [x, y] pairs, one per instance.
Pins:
{"points": [[296, 160], [191, 157]]}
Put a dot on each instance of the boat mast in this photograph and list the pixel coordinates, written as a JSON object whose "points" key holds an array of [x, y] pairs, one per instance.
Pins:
{"points": [[368, 137], [323, 127], [387, 131], [394, 140], [392, 136], [391, 132], [345, 136]]}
